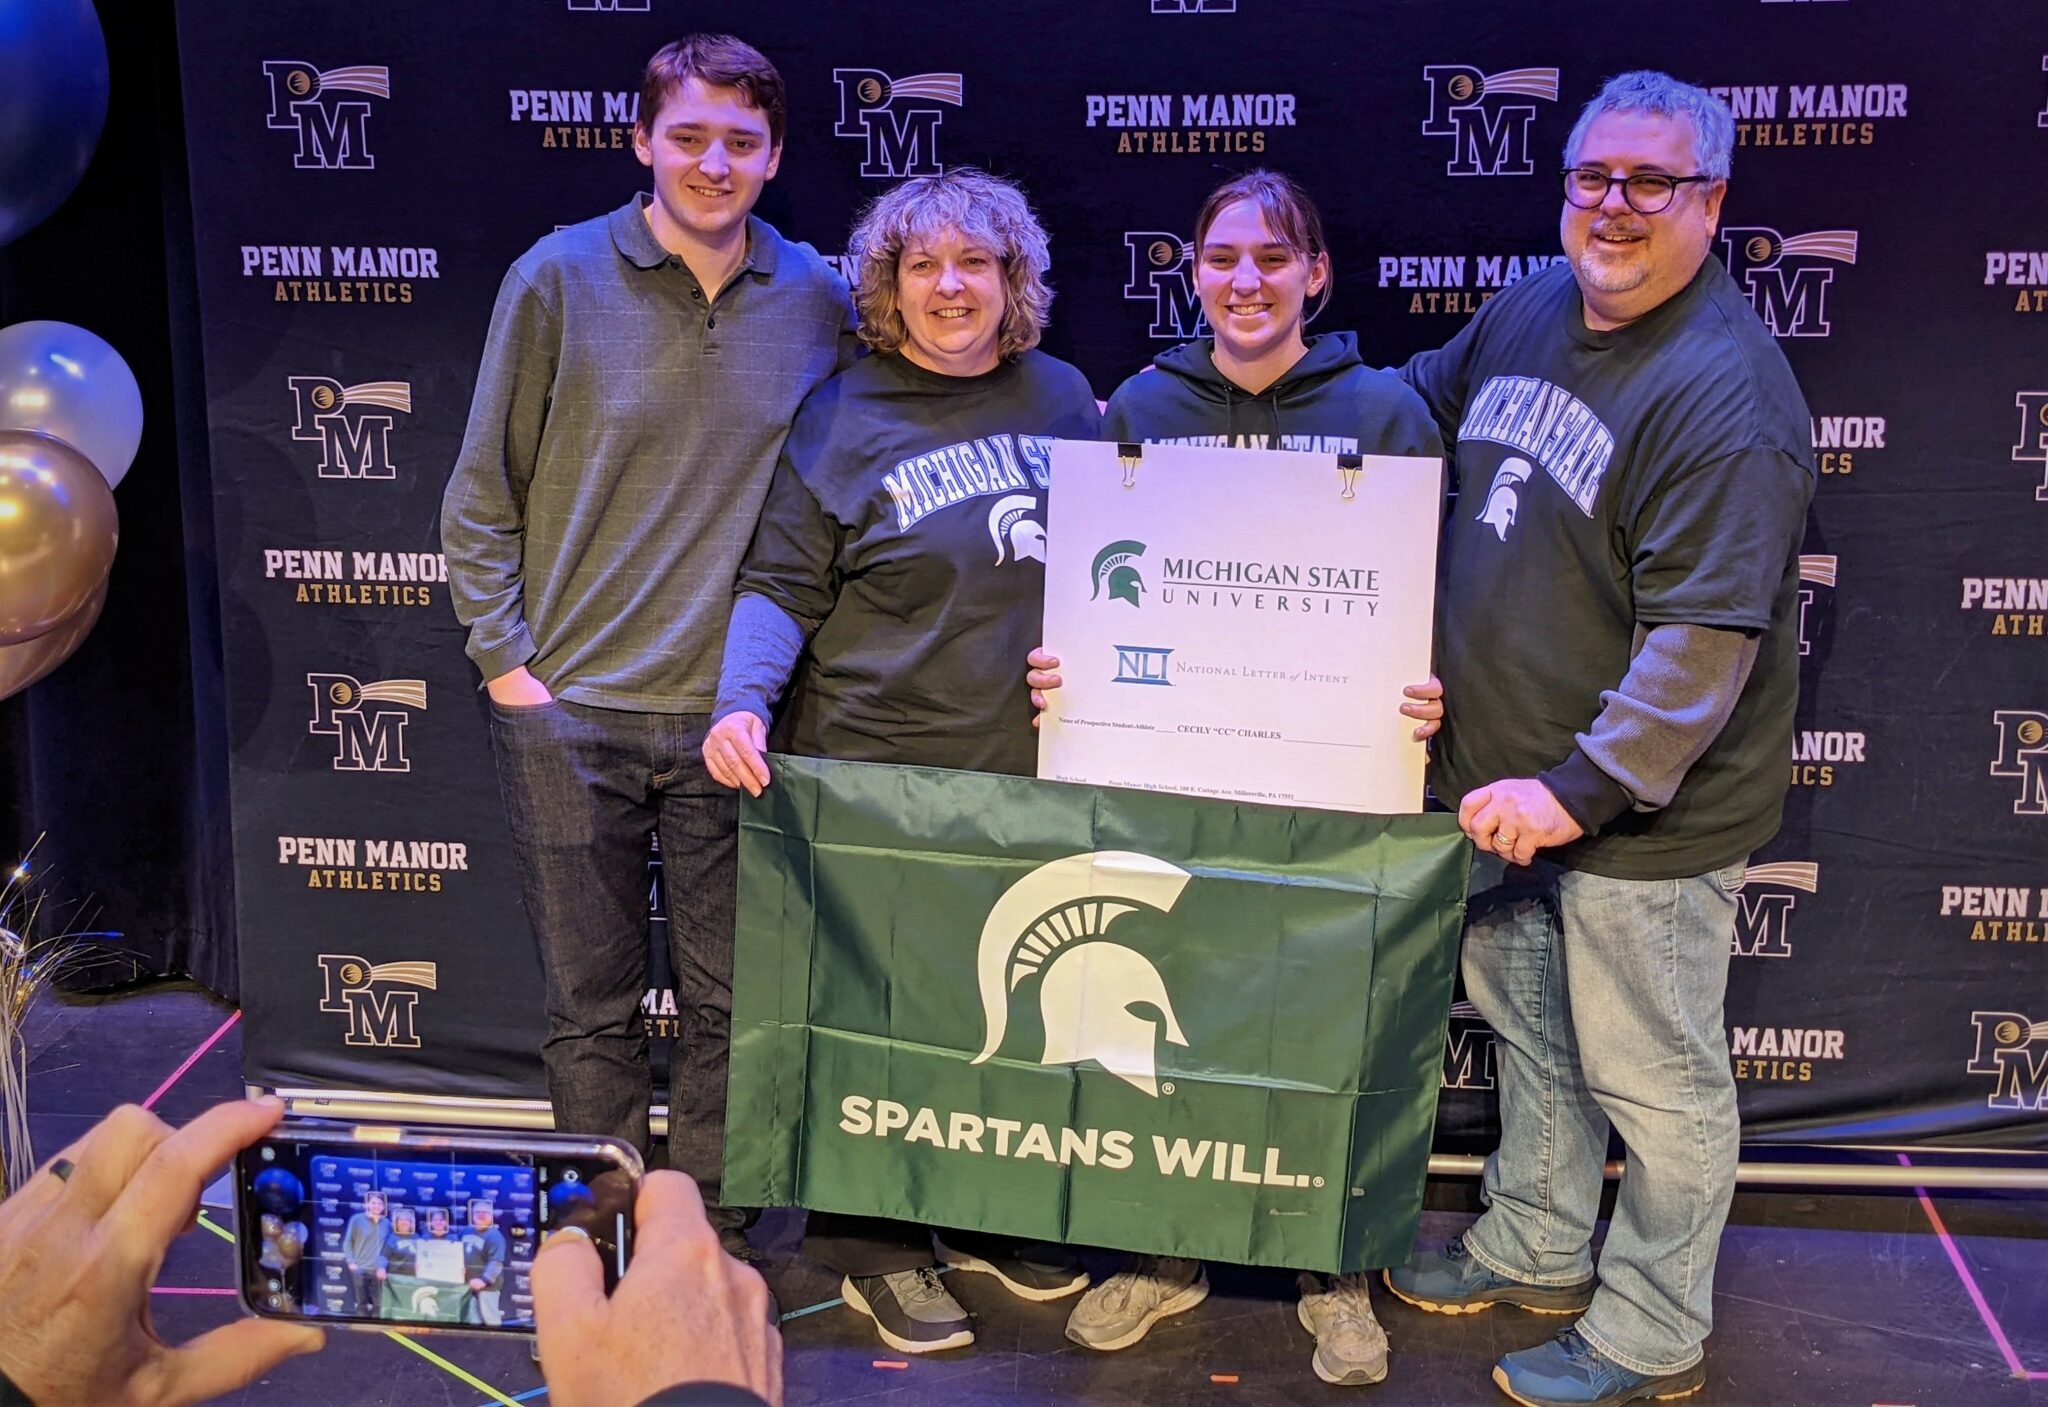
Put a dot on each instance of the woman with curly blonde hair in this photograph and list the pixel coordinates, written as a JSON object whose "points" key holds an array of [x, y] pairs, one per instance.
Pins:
{"points": [[897, 574]]}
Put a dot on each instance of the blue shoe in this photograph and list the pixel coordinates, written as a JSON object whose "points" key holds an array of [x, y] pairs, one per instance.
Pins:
{"points": [[1452, 1282], [1569, 1372]]}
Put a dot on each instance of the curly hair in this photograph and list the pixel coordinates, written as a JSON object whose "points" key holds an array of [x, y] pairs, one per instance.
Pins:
{"points": [[984, 209]]}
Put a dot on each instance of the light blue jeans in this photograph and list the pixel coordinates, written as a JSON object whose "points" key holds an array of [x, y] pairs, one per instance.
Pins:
{"points": [[1606, 998]]}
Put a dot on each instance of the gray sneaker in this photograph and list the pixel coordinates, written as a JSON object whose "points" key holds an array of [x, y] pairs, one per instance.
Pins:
{"points": [[1351, 1347], [912, 1311], [1123, 1308]]}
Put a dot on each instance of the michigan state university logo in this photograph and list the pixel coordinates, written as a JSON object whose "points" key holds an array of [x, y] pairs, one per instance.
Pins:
{"points": [[2023, 756], [1016, 533], [333, 133], [355, 443], [372, 997], [1162, 274], [367, 721], [898, 118], [1503, 497], [1052, 926], [1114, 573], [1488, 137], [1787, 279]]}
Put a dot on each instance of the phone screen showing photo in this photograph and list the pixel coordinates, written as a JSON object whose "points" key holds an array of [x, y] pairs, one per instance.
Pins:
{"points": [[415, 1236]]}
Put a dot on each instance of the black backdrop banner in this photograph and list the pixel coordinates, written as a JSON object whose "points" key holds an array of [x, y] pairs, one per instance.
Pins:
{"points": [[363, 175]]}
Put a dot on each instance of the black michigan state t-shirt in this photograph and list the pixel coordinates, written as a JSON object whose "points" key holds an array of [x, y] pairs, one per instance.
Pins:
{"points": [[906, 526], [1608, 483]]}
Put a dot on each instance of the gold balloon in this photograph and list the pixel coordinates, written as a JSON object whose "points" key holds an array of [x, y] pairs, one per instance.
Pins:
{"points": [[22, 665], [58, 530]]}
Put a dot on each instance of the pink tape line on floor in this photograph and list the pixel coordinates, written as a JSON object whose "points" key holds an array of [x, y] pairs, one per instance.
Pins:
{"points": [[190, 1061], [1955, 1258]]}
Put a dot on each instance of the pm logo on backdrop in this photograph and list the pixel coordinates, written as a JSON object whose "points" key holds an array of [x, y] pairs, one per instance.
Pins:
{"points": [[366, 721], [2023, 756], [333, 131], [1489, 132], [1787, 278], [1162, 276], [355, 442], [897, 118], [2013, 1051], [2032, 445], [1764, 905], [374, 998]]}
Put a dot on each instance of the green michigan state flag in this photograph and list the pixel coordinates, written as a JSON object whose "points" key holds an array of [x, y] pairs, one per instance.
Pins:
{"points": [[1090, 1016], [419, 1301]]}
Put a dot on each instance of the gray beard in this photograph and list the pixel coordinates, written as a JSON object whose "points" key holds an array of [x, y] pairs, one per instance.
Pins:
{"points": [[1608, 278]]}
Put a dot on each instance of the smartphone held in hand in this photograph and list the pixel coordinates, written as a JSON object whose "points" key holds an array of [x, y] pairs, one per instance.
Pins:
{"points": [[379, 1226]]}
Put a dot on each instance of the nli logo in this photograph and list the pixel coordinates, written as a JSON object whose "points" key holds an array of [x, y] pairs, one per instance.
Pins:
{"points": [[1051, 925], [2023, 755], [378, 1014], [2014, 1052], [1487, 138], [1786, 284], [1142, 664], [1014, 531], [333, 135], [354, 446], [1113, 569], [367, 721], [901, 141], [1162, 274]]}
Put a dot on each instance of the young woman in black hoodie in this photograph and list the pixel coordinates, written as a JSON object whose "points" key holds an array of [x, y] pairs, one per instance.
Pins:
{"points": [[1259, 383]]}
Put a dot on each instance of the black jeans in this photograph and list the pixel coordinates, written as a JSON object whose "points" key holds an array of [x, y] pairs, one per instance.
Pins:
{"points": [[583, 789]]}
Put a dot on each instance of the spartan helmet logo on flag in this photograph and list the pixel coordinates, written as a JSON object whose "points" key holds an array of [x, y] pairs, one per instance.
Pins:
{"points": [[1051, 925], [1503, 500], [1016, 533]]}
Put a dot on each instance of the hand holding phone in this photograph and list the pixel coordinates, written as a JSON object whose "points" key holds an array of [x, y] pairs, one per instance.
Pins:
{"points": [[79, 1251], [371, 1226], [598, 1351]]}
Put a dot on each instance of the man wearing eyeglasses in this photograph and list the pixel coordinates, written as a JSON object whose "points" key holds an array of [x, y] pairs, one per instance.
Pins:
{"points": [[1620, 668]]}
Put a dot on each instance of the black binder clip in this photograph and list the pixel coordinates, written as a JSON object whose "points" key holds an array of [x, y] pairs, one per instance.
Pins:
{"points": [[1349, 467], [1128, 455]]}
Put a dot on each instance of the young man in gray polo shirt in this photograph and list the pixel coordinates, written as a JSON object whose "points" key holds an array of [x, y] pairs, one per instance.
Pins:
{"points": [[640, 374]]}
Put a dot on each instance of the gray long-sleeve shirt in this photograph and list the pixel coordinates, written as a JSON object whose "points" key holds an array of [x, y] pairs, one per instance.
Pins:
{"points": [[362, 1245], [624, 428]]}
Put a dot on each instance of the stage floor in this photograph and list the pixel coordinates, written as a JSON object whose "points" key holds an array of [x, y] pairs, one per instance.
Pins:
{"points": [[1821, 1299]]}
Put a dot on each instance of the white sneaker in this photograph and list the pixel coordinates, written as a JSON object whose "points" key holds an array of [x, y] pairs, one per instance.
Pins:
{"points": [[1351, 1347], [1123, 1308]]}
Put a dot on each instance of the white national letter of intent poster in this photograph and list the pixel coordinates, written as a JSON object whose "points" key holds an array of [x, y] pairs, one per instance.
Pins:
{"points": [[1239, 623]]}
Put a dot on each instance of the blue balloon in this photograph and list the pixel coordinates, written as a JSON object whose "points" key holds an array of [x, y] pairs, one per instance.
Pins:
{"points": [[53, 102], [279, 1191]]}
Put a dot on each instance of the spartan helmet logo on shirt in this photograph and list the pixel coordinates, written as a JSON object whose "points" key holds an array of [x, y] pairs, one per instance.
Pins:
{"points": [[1503, 502], [1051, 925], [1016, 533]]}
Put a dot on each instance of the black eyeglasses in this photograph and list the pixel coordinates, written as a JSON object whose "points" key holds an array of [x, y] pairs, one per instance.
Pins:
{"points": [[1647, 193]]}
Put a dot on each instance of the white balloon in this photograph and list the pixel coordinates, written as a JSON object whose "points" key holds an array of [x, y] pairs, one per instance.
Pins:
{"points": [[62, 380]]}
